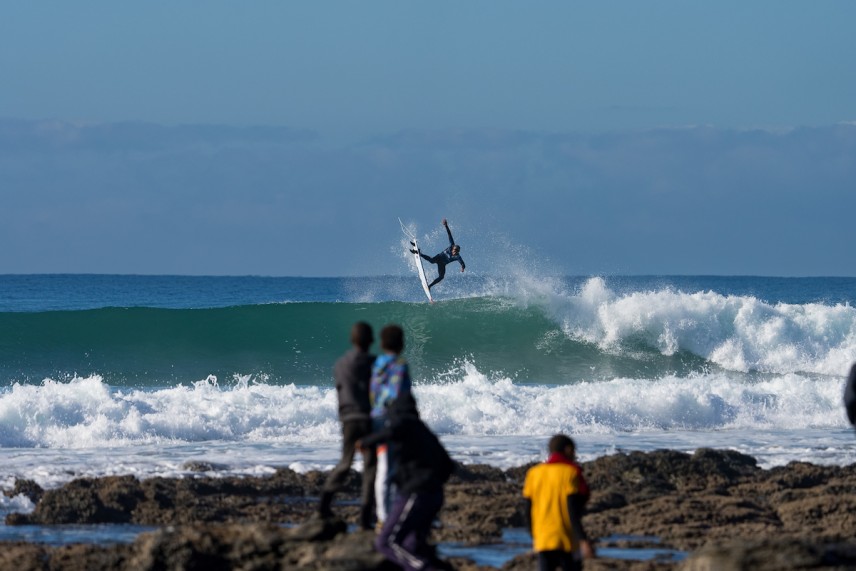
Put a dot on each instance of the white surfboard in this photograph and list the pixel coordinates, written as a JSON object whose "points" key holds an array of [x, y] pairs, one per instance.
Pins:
{"points": [[421, 269], [417, 259]]}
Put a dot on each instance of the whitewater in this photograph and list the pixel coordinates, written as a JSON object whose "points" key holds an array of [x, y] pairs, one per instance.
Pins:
{"points": [[170, 376]]}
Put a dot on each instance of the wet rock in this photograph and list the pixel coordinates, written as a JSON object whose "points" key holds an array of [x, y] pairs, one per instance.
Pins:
{"points": [[771, 555], [604, 501], [318, 529], [477, 473], [28, 488], [641, 476], [529, 561], [22, 557], [82, 557], [201, 466], [686, 521], [210, 547], [476, 513], [166, 501], [683, 499], [86, 500], [30, 557]]}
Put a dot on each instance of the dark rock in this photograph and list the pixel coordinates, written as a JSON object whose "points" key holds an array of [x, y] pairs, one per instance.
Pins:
{"points": [[88, 500], [639, 476], [603, 501], [200, 466], [529, 561], [801, 475], [683, 499], [28, 488], [80, 557], [318, 529], [210, 547], [23, 557], [518, 474], [771, 555], [255, 546], [727, 464], [477, 473], [18, 519]]}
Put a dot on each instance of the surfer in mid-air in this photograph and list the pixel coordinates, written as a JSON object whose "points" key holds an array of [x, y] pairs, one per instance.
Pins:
{"points": [[447, 256]]}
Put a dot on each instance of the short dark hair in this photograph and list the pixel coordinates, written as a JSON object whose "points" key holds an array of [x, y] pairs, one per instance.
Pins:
{"points": [[362, 335], [559, 443], [392, 338]]}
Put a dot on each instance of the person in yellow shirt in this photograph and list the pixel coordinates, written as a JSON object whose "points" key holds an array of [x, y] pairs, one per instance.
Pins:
{"points": [[555, 493]]}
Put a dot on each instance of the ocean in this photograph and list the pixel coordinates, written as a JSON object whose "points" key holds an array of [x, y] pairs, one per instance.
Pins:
{"points": [[120, 374]]}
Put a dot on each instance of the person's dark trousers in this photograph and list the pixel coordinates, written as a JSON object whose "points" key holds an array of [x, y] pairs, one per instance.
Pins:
{"points": [[404, 536], [352, 430], [367, 503], [552, 560]]}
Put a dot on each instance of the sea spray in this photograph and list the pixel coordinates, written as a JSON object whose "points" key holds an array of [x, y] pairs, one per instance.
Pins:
{"points": [[737, 333], [86, 412]]}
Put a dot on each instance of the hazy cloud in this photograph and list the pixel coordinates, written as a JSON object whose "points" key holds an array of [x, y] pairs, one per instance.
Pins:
{"points": [[145, 198]]}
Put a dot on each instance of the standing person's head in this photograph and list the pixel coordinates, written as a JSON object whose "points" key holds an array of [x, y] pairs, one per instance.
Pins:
{"points": [[392, 339], [563, 445], [362, 335]]}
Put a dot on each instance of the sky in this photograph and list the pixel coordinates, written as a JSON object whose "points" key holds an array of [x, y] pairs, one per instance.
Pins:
{"points": [[274, 138]]}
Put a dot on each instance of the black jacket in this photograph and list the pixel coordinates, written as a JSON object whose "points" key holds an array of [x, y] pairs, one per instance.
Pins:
{"points": [[353, 373], [422, 464], [850, 395]]}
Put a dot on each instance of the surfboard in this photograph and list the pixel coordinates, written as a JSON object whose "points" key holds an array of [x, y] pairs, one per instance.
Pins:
{"points": [[417, 259], [421, 269]]}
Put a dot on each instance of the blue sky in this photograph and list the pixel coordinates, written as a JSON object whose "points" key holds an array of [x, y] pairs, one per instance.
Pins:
{"points": [[608, 137]]}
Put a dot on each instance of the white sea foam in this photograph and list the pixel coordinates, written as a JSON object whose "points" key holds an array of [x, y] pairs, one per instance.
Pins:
{"points": [[737, 333], [84, 426], [19, 504], [86, 412]]}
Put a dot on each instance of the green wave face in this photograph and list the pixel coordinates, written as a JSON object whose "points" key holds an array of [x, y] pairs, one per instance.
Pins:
{"points": [[299, 342]]}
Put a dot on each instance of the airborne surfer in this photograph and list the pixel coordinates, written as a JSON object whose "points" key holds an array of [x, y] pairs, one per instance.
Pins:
{"points": [[447, 256]]}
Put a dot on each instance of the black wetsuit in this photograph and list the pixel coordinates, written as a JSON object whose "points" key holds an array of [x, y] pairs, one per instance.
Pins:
{"points": [[443, 258]]}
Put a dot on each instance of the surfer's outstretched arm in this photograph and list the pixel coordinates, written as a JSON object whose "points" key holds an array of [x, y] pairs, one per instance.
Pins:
{"points": [[449, 232], [452, 252]]}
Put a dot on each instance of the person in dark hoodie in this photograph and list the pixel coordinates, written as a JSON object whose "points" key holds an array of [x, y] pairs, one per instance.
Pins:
{"points": [[352, 374], [423, 466], [850, 395]]}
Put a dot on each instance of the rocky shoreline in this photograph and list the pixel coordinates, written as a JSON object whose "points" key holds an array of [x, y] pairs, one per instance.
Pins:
{"points": [[718, 505]]}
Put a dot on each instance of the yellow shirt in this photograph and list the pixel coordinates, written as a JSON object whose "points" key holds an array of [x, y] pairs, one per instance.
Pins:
{"points": [[548, 486]]}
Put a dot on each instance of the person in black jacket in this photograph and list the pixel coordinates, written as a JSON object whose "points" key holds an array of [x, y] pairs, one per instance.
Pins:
{"points": [[352, 373], [850, 395], [423, 466]]}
